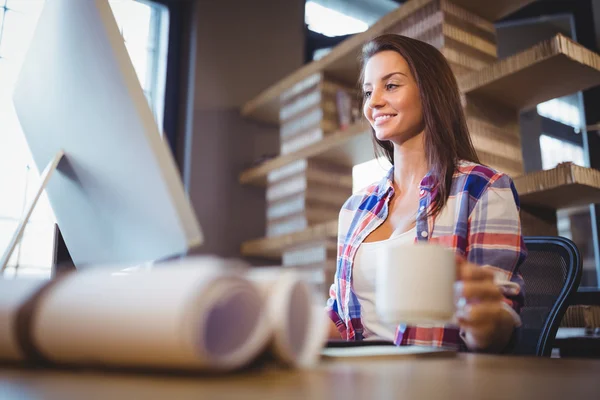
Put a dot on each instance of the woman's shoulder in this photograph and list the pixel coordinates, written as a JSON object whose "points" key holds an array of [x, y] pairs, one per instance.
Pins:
{"points": [[357, 198], [361, 201], [476, 178]]}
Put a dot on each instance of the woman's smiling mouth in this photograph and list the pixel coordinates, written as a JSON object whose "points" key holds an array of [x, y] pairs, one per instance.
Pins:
{"points": [[382, 118]]}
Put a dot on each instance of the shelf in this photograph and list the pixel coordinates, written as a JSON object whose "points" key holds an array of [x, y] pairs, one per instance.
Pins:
{"points": [[567, 185], [551, 69], [593, 128], [348, 147], [273, 247], [341, 61], [491, 10]]}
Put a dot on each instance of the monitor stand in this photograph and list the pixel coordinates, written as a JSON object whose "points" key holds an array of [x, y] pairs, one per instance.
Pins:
{"points": [[46, 174]]}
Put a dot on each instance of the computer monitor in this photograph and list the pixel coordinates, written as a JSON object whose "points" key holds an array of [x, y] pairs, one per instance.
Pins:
{"points": [[117, 194]]}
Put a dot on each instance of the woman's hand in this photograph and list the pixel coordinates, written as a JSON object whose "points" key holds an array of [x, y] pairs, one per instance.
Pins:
{"points": [[481, 315]]}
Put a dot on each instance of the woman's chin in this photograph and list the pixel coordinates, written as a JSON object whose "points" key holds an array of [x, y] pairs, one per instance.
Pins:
{"points": [[383, 136]]}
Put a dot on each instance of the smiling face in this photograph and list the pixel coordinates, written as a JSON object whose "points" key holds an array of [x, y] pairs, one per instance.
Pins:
{"points": [[392, 103]]}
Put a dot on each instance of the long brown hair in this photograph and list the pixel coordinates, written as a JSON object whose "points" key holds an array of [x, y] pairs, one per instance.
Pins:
{"points": [[447, 138]]}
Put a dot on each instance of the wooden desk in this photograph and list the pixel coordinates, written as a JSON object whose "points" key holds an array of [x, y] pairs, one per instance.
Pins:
{"points": [[466, 376]]}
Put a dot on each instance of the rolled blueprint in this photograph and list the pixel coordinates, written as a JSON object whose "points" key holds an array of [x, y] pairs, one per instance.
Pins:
{"points": [[196, 315], [298, 326], [13, 295]]}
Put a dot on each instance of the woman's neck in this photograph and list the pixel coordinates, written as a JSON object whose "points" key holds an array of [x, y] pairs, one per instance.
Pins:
{"points": [[410, 163]]}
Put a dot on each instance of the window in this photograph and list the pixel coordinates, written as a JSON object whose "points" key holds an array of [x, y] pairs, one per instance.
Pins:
{"points": [[369, 172], [144, 26], [562, 111], [342, 17], [556, 151], [330, 22]]}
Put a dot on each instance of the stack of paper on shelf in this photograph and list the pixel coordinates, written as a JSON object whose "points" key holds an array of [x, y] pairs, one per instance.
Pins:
{"points": [[313, 108], [305, 193]]}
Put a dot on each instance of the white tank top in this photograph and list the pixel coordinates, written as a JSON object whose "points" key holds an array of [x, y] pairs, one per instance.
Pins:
{"points": [[363, 282]]}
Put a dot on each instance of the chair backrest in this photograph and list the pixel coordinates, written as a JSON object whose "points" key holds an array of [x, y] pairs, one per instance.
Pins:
{"points": [[552, 272]]}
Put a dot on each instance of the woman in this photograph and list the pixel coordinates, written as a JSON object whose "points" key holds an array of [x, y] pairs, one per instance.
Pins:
{"points": [[436, 191]]}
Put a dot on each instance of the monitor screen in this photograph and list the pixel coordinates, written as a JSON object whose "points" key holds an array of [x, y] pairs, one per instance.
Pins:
{"points": [[117, 193]]}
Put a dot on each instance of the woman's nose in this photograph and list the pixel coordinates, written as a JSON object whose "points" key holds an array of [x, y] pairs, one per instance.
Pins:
{"points": [[375, 100]]}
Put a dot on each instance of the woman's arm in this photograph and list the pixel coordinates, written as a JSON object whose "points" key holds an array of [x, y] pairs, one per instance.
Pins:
{"points": [[485, 321], [490, 313]]}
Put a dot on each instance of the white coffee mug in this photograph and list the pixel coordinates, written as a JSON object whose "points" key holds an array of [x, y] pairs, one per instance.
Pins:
{"points": [[415, 284]]}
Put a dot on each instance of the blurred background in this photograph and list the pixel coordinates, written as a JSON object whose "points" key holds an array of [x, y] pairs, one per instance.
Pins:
{"points": [[199, 62]]}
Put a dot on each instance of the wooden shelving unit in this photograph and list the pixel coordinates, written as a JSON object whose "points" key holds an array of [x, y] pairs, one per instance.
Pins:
{"points": [[522, 80], [275, 246], [518, 81], [490, 9], [342, 63], [347, 147], [593, 128], [567, 185]]}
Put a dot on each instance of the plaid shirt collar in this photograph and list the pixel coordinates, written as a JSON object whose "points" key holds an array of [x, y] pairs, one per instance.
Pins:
{"points": [[385, 187]]}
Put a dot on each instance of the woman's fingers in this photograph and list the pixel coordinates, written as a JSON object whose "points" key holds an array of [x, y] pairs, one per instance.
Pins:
{"points": [[471, 272], [479, 316], [478, 291], [484, 323], [480, 312], [480, 336]]}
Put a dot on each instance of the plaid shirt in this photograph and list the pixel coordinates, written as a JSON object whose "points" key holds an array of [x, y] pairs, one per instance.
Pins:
{"points": [[480, 221]]}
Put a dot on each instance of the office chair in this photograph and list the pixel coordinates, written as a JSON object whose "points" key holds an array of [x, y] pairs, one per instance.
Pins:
{"points": [[552, 272]]}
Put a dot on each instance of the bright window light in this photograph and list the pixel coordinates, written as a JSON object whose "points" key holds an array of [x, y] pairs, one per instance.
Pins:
{"points": [[369, 172], [561, 111], [556, 151], [329, 22]]}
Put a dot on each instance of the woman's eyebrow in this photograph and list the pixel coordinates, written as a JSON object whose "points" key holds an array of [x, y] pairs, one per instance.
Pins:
{"points": [[387, 77], [392, 74]]}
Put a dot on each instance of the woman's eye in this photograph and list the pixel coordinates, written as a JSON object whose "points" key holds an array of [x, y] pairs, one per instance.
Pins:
{"points": [[367, 94], [390, 86]]}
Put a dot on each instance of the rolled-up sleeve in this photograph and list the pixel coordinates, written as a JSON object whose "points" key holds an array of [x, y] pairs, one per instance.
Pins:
{"points": [[495, 238]]}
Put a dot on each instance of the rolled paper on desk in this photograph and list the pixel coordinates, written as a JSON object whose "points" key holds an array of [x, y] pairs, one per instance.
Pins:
{"points": [[298, 327], [14, 295], [195, 314]]}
